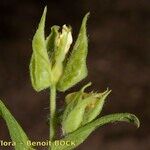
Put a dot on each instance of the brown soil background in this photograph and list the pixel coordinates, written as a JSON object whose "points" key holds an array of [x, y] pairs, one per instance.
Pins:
{"points": [[119, 58]]}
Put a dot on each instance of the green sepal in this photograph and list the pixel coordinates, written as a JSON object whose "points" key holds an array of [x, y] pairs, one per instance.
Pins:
{"points": [[80, 135], [40, 67], [74, 111], [51, 41], [92, 112], [76, 69], [16, 132], [72, 96]]}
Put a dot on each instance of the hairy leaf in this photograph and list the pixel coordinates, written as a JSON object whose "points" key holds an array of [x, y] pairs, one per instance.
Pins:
{"points": [[16, 132], [80, 135]]}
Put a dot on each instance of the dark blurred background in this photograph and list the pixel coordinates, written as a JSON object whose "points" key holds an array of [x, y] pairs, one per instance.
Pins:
{"points": [[119, 58]]}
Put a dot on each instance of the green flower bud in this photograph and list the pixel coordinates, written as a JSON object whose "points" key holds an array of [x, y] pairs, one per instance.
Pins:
{"points": [[63, 42], [82, 108]]}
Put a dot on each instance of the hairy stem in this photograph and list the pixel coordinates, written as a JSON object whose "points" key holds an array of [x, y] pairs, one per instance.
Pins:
{"points": [[52, 112]]}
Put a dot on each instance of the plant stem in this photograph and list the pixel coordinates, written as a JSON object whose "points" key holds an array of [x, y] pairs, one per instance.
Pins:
{"points": [[52, 112]]}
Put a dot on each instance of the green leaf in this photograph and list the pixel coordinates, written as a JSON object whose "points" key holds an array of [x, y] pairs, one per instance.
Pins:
{"points": [[80, 135], [76, 69], [16, 132], [40, 67]]}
